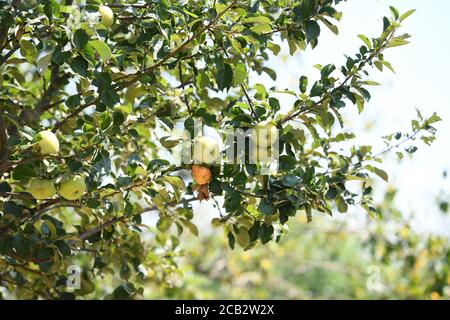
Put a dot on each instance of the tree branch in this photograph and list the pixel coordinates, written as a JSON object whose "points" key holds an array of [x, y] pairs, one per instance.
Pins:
{"points": [[250, 103], [149, 70], [4, 58], [56, 81], [291, 115], [22, 196], [112, 221]]}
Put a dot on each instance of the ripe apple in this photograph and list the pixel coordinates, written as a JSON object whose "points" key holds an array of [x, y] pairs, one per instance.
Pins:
{"points": [[42, 188], [206, 150], [72, 187], [48, 142], [264, 134], [201, 174], [107, 16]]}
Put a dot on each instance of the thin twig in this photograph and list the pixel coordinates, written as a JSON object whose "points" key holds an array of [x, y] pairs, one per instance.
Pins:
{"points": [[250, 103], [410, 137], [291, 115], [23, 196], [41, 211]]}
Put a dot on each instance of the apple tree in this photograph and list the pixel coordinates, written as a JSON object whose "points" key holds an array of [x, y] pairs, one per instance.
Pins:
{"points": [[90, 96]]}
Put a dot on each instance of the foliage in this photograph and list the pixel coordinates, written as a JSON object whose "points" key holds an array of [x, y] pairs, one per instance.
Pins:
{"points": [[108, 92], [323, 260]]}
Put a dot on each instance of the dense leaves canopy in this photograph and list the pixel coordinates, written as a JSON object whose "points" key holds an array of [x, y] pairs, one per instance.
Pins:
{"points": [[113, 95]]}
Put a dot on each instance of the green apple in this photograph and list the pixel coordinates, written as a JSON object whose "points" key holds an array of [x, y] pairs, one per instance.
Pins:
{"points": [[264, 134], [206, 150], [72, 187], [42, 188], [48, 142], [107, 16]]}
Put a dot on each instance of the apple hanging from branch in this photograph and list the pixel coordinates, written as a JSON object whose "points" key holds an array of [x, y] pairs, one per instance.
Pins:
{"points": [[206, 150], [72, 187], [42, 188], [106, 16], [47, 142]]}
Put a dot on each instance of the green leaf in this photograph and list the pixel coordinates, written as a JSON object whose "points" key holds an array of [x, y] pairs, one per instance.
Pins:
{"points": [[164, 224], [5, 187], [388, 65], [369, 83], [327, 70], [331, 193], [240, 74], [290, 180], [80, 39], [260, 19], [303, 83], [23, 171], [106, 121], [394, 12], [407, 14], [341, 204], [379, 65], [312, 30], [176, 182], [192, 227], [396, 42], [274, 104], [266, 207], [73, 101], [434, 118], [242, 237], [102, 49], [329, 25], [224, 77], [52, 8], [365, 40], [109, 98], [79, 65], [261, 28], [275, 48], [286, 163], [272, 73], [316, 90], [381, 173], [102, 80], [169, 142], [28, 50], [411, 149]]}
